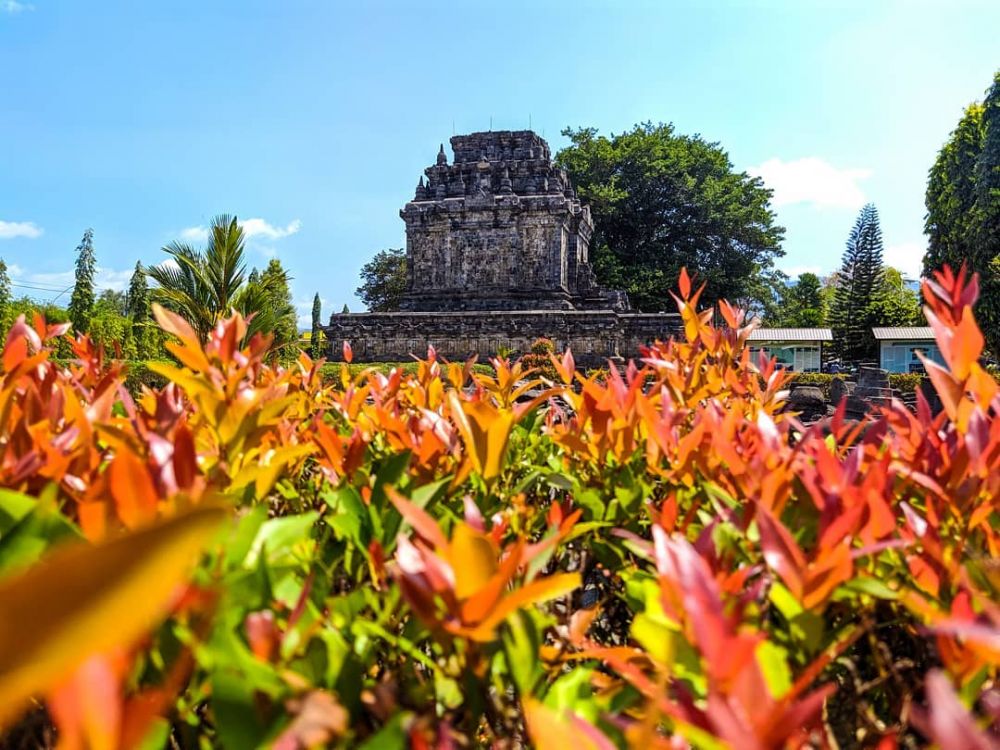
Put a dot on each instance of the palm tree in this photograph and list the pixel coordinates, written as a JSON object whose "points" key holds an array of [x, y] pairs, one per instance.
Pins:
{"points": [[203, 287]]}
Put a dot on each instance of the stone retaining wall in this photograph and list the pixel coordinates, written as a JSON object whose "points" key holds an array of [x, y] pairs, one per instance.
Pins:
{"points": [[593, 335]]}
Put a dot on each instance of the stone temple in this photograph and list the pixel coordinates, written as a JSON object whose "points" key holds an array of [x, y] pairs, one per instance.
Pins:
{"points": [[497, 252]]}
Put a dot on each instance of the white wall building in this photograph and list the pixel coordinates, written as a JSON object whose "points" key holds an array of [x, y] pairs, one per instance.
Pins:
{"points": [[898, 348], [796, 349]]}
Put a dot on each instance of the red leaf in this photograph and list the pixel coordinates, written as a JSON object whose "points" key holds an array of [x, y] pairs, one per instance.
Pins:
{"points": [[781, 553]]}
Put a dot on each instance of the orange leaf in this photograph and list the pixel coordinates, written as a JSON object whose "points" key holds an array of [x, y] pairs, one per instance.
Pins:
{"points": [[473, 558], [537, 591], [86, 600]]}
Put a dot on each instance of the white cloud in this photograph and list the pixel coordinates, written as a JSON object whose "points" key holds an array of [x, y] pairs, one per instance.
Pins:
{"points": [[908, 257], [195, 234], [11, 229], [252, 228], [13, 6], [812, 180], [260, 228]]}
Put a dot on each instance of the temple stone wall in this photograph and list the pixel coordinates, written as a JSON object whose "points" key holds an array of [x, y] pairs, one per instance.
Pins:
{"points": [[593, 336]]}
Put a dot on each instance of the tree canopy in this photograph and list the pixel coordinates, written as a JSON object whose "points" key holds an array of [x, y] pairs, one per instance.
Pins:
{"points": [[802, 304], [662, 201], [963, 206], [384, 280]]}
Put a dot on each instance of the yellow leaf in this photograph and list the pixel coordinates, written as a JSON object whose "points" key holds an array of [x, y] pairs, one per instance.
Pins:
{"points": [[473, 558], [85, 600]]}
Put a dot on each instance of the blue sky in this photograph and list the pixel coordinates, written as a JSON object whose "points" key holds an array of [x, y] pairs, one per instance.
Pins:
{"points": [[315, 119]]}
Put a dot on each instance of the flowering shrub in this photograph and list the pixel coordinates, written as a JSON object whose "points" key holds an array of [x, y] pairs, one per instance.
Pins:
{"points": [[656, 557]]}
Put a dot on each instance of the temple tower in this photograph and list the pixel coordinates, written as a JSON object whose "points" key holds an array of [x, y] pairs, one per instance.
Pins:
{"points": [[500, 228]]}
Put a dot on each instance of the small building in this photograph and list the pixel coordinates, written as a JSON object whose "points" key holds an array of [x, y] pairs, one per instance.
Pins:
{"points": [[898, 348], [796, 349]]}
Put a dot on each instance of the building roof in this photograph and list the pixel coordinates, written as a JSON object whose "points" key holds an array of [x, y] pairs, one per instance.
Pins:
{"points": [[910, 333], [791, 334]]}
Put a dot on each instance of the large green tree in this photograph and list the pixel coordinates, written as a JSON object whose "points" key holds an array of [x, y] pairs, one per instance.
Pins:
{"points": [[802, 303], [895, 303], [285, 326], [204, 286], [662, 201], [81, 304], [853, 312], [384, 280], [963, 206]]}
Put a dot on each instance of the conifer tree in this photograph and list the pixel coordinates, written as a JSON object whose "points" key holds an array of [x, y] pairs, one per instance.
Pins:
{"points": [[859, 280], [316, 337], [81, 304], [274, 280], [137, 297]]}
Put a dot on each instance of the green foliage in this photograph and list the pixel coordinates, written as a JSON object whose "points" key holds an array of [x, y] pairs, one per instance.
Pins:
{"points": [[148, 337], [802, 305], [113, 330], [895, 303], [137, 297], [663, 201], [963, 206], [317, 339], [383, 280], [853, 313], [284, 324], [81, 304], [906, 383]]}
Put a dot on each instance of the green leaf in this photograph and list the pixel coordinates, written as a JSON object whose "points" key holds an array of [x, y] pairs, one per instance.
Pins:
{"points": [[872, 587], [13, 508], [239, 544], [773, 663], [520, 640], [281, 537], [391, 737]]}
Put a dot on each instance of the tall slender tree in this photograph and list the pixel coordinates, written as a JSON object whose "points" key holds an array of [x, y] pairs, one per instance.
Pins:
{"points": [[81, 304], [859, 279], [316, 336], [137, 296], [285, 328]]}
